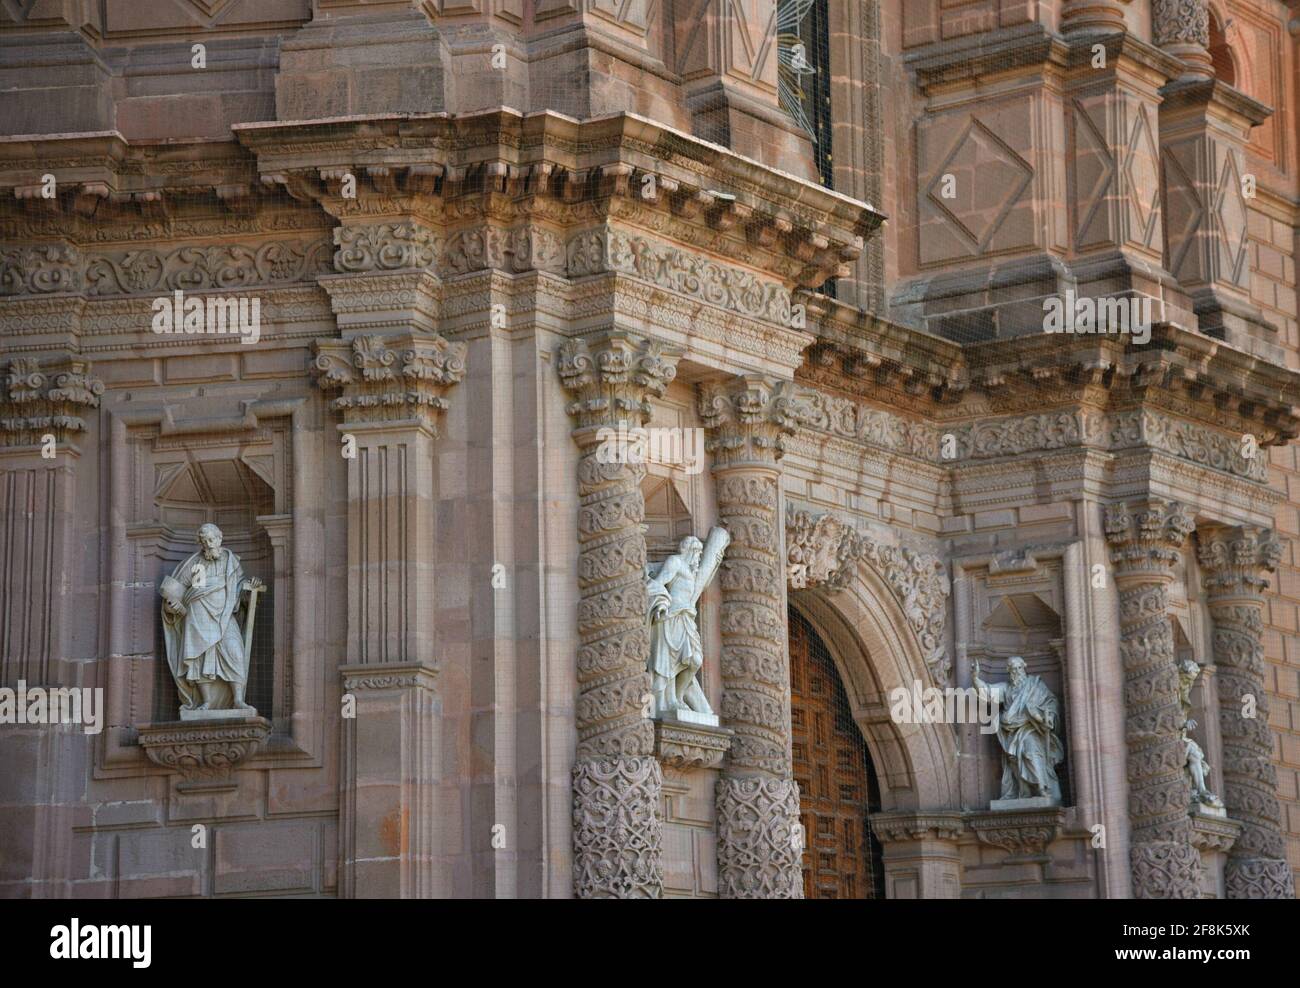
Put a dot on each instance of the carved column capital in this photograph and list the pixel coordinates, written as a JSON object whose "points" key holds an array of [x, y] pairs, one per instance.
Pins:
{"points": [[1235, 560], [1146, 538], [390, 378], [749, 418], [38, 399], [1182, 28], [613, 376]]}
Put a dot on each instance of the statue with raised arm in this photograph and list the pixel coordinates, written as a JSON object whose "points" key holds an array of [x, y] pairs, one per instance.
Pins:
{"points": [[676, 652], [207, 651], [1026, 728]]}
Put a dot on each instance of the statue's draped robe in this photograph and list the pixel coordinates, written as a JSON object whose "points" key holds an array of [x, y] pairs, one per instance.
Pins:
{"points": [[676, 651], [206, 644], [1030, 747]]}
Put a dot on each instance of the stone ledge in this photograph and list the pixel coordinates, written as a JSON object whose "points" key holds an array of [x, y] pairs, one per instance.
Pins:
{"points": [[679, 744], [204, 753], [1215, 834], [943, 825]]}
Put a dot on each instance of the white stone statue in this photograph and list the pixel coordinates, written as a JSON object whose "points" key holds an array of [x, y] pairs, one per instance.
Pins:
{"points": [[207, 651], [1198, 770], [676, 652], [1027, 715]]}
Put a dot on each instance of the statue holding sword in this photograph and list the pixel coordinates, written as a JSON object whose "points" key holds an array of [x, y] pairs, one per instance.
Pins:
{"points": [[207, 652]]}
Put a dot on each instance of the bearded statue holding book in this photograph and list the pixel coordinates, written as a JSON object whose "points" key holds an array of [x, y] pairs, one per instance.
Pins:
{"points": [[207, 650]]}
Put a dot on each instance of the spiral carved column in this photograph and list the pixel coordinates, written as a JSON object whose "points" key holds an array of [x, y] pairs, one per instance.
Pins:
{"points": [[759, 841], [1234, 561], [617, 830], [1182, 28], [1145, 539]]}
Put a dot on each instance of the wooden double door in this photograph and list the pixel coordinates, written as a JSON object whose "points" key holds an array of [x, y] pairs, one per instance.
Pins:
{"points": [[837, 784]]}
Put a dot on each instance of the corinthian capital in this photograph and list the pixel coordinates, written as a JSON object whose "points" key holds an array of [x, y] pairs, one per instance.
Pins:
{"points": [[1146, 536], [1235, 560], [384, 378], [45, 399], [613, 377], [749, 418]]}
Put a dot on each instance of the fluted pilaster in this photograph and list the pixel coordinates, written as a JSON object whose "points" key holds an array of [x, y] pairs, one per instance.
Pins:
{"points": [[1234, 562], [617, 831], [1146, 538]]}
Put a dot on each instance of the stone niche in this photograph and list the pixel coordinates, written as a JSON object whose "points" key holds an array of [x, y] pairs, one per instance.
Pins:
{"points": [[172, 479], [678, 502]]}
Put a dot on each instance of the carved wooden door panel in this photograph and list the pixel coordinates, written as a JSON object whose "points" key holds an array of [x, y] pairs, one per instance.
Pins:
{"points": [[837, 785]]}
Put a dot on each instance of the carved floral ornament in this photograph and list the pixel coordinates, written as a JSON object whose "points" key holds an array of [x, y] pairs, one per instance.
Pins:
{"points": [[1237, 560], [613, 378], [823, 551], [390, 377], [41, 400]]}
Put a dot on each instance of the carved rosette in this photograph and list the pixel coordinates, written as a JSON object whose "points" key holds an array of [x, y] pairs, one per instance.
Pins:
{"points": [[204, 753], [1234, 562], [390, 378], [1146, 539], [760, 844], [1182, 28], [617, 780], [36, 400], [748, 419]]}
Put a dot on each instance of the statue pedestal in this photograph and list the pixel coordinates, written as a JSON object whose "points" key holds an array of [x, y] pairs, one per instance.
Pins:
{"points": [[1020, 805], [205, 754], [689, 717], [1211, 812], [211, 715]]}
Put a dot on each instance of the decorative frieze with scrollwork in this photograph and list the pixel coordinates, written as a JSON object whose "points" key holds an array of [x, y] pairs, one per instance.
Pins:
{"points": [[384, 378], [617, 779], [1235, 562], [760, 839], [823, 551], [1146, 540], [51, 399], [51, 268]]}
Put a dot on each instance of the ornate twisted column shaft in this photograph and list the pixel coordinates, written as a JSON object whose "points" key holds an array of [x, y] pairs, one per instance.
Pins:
{"points": [[617, 831], [1234, 561], [759, 850], [1182, 28], [1145, 539]]}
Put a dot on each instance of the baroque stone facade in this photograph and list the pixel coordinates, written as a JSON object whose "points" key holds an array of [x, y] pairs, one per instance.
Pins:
{"points": [[459, 318]]}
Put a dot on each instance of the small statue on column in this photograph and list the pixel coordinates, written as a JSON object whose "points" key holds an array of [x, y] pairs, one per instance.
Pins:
{"points": [[1198, 771]]}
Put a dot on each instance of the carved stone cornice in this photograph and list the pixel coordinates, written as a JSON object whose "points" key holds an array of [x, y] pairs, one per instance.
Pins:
{"points": [[568, 172], [204, 753], [824, 551], [38, 399], [612, 377], [388, 676], [1146, 538], [1235, 560], [908, 825], [682, 745], [390, 378], [1024, 833], [748, 419]]}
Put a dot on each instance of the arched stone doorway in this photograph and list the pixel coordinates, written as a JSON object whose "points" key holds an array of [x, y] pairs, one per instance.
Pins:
{"points": [[837, 781]]}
